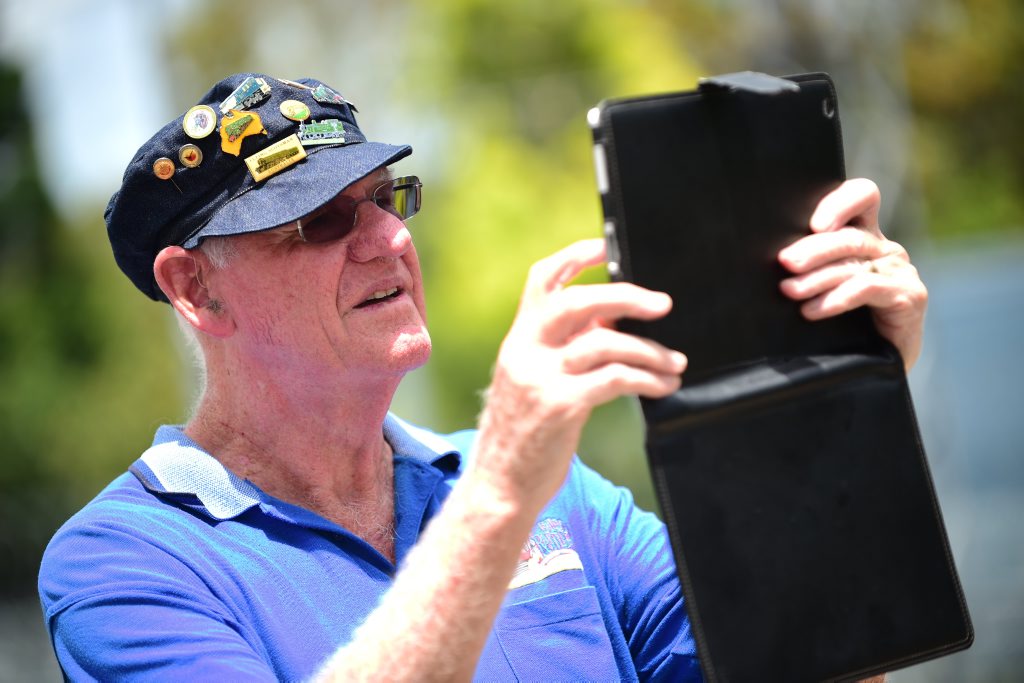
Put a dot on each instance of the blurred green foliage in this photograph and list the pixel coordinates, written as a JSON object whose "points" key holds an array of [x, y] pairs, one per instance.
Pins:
{"points": [[90, 367], [84, 377], [966, 80]]}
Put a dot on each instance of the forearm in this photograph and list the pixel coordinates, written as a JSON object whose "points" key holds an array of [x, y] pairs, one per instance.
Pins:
{"points": [[434, 621]]}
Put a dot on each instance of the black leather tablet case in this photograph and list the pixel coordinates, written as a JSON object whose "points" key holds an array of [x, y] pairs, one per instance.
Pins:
{"points": [[789, 467]]}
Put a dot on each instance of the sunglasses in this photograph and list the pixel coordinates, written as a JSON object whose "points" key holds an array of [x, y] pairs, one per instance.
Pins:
{"points": [[400, 197]]}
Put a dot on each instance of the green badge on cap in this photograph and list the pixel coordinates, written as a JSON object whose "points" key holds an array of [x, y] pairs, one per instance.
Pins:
{"points": [[326, 132]]}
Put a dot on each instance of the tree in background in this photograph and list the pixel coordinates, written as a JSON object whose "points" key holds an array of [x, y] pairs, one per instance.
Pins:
{"points": [[80, 390], [931, 92]]}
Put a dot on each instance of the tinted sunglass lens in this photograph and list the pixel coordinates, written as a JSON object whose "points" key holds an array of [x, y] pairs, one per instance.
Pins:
{"points": [[328, 226], [401, 197], [405, 196]]}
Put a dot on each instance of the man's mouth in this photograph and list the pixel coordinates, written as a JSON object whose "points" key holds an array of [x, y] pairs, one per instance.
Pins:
{"points": [[379, 296]]}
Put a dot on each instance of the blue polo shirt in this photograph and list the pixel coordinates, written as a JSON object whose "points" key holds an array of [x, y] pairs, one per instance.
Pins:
{"points": [[179, 570]]}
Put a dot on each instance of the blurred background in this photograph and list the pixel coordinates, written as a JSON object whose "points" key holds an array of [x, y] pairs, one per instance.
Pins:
{"points": [[493, 97]]}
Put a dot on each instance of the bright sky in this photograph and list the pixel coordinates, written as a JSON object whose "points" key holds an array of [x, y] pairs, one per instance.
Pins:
{"points": [[79, 58], [96, 65]]}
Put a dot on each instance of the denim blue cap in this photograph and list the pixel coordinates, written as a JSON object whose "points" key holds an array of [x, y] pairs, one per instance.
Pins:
{"points": [[220, 196]]}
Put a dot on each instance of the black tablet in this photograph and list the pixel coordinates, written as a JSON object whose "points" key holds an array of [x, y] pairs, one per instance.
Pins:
{"points": [[789, 467]]}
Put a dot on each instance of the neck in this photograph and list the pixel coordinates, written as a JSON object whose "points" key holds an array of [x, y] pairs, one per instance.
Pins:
{"points": [[316, 444]]}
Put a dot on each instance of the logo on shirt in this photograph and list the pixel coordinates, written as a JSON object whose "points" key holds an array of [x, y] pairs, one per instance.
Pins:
{"points": [[548, 551]]}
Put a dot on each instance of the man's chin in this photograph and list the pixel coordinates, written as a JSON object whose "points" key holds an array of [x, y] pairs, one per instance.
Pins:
{"points": [[412, 349]]}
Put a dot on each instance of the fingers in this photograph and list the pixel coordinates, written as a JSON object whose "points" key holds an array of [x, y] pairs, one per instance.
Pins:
{"points": [[613, 380], [846, 262], [820, 249], [601, 346], [834, 273], [553, 272], [889, 293], [567, 312], [855, 202], [890, 286]]}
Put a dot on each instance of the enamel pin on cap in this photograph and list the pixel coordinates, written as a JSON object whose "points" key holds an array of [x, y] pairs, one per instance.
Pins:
{"points": [[294, 110], [252, 91], [237, 125], [190, 155], [294, 84], [276, 157], [326, 132], [199, 121], [325, 95], [163, 168]]}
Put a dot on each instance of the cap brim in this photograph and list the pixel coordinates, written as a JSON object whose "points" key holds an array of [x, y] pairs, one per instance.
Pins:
{"points": [[299, 190]]}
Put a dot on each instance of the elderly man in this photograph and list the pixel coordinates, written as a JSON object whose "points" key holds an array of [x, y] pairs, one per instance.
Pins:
{"points": [[294, 528]]}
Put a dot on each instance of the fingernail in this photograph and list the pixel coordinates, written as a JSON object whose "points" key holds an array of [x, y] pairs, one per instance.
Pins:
{"points": [[661, 300], [790, 255], [820, 222]]}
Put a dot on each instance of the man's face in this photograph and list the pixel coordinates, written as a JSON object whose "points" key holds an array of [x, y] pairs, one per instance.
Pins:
{"points": [[355, 304]]}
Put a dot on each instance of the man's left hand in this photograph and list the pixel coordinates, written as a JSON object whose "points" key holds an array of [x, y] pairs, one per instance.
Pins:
{"points": [[847, 262]]}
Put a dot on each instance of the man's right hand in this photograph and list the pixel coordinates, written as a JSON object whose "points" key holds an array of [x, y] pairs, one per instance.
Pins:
{"points": [[560, 359]]}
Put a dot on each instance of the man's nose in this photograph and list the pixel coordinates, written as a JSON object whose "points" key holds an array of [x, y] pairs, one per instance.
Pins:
{"points": [[378, 233]]}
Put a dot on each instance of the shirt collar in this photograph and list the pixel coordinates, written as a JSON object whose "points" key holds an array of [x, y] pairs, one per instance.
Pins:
{"points": [[420, 444], [175, 464]]}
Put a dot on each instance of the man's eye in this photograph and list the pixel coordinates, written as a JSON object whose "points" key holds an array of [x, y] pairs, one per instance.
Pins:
{"points": [[384, 199], [327, 227]]}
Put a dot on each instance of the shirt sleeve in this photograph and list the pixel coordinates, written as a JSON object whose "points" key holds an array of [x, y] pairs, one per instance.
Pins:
{"points": [[118, 607], [641, 580]]}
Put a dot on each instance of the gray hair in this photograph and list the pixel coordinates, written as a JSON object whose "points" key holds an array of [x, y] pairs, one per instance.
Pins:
{"points": [[219, 252]]}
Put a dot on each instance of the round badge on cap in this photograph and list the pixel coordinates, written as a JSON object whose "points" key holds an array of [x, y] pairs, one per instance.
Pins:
{"points": [[190, 155], [294, 110], [163, 168], [199, 121]]}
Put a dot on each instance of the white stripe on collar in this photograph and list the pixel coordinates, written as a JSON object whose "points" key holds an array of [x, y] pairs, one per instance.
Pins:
{"points": [[183, 467]]}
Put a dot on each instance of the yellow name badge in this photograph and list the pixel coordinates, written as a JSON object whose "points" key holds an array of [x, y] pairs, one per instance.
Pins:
{"points": [[277, 157]]}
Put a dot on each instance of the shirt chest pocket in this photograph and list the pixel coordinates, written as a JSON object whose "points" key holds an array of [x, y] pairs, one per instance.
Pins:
{"points": [[557, 637]]}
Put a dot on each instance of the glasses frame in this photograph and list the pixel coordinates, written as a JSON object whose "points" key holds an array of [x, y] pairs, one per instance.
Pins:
{"points": [[408, 182]]}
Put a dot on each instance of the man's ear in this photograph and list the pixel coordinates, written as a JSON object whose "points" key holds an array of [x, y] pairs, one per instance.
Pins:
{"points": [[179, 274]]}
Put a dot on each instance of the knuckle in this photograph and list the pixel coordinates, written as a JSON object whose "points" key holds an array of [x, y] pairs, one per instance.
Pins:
{"points": [[898, 250], [537, 270], [862, 240], [868, 187], [920, 296]]}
